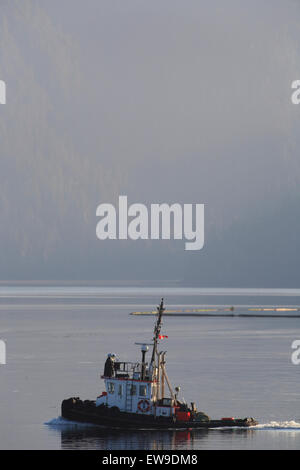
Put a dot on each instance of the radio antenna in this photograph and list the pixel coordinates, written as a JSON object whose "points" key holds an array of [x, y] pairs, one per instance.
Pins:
{"points": [[160, 311]]}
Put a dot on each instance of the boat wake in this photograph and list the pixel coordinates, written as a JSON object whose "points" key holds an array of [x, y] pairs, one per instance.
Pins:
{"points": [[279, 426], [61, 422]]}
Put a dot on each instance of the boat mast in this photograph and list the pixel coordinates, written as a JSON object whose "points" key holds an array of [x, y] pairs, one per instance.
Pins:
{"points": [[160, 311]]}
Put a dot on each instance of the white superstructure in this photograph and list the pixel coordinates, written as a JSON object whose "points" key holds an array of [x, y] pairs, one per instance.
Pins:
{"points": [[139, 387]]}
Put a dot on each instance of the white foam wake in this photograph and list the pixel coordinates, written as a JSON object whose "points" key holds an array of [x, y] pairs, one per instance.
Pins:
{"points": [[67, 423], [279, 425]]}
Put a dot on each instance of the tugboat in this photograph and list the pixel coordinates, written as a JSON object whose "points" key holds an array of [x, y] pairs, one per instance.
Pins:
{"points": [[135, 398]]}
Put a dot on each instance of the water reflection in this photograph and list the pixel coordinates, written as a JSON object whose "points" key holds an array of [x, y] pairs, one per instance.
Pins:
{"points": [[125, 440], [97, 438]]}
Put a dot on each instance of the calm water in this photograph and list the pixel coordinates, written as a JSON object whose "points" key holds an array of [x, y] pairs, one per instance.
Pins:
{"points": [[57, 339]]}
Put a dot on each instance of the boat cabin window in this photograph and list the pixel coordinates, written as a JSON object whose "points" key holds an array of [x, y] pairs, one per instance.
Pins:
{"points": [[133, 390], [167, 402], [111, 387], [143, 391]]}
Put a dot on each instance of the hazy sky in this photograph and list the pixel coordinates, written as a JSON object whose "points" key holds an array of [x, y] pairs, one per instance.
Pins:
{"points": [[164, 101]]}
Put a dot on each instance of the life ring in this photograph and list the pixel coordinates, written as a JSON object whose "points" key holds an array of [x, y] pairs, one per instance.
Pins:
{"points": [[144, 406]]}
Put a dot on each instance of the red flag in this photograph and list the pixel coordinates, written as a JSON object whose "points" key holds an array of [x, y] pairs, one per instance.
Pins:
{"points": [[162, 336]]}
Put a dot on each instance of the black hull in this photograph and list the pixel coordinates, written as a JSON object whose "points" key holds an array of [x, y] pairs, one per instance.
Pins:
{"points": [[86, 412]]}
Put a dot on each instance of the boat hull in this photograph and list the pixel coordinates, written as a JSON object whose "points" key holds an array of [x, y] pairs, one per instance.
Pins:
{"points": [[86, 411]]}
